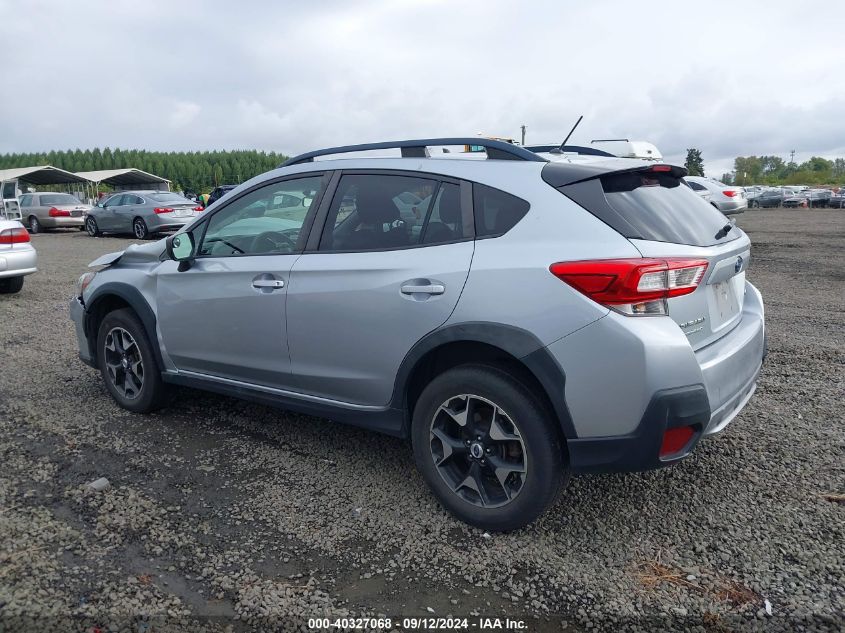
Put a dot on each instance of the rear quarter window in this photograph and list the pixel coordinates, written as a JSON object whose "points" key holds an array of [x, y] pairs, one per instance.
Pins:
{"points": [[496, 212], [651, 206]]}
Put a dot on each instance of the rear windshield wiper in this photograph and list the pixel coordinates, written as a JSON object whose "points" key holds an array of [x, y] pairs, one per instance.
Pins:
{"points": [[724, 230]]}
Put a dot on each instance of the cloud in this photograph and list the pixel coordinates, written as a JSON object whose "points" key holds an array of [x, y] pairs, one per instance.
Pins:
{"points": [[184, 113], [294, 76]]}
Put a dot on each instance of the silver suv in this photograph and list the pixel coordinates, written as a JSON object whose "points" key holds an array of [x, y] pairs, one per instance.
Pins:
{"points": [[517, 319]]}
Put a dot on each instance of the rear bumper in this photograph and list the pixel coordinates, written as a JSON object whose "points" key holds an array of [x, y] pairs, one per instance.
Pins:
{"points": [[18, 262], [162, 223], [59, 223], [641, 376]]}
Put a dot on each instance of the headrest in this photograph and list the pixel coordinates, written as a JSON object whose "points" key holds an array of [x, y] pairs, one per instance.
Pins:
{"points": [[375, 205]]}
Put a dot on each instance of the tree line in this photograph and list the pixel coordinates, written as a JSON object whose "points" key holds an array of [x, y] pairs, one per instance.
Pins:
{"points": [[195, 171], [773, 170]]}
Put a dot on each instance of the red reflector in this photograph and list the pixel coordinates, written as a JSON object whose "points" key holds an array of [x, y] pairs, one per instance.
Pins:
{"points": [[729, 193], [662, 168], [58, 213], [163, 210], [14, 236], [676, 440]]}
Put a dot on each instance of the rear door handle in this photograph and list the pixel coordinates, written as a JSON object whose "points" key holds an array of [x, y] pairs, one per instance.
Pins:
{"points": [[268, 283], [430, 289]]}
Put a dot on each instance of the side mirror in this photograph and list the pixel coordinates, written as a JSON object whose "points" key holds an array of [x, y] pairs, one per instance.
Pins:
{"points": [[180, 248]]}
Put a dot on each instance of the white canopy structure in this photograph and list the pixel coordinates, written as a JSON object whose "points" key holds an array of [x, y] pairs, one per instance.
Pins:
{"points": [[123, 179], [38, 175]]}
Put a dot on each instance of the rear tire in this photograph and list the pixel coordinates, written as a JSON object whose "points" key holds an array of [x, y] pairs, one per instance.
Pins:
{"points": [[91, 227], [504, 465], [11, 285], [34, 225], [127, 363], [139, 228]]}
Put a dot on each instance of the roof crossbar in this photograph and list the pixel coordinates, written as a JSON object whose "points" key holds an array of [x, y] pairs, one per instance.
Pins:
{"points": [[417, 148]]}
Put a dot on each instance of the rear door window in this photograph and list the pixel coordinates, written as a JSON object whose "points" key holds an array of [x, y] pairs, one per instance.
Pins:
{"points": [[653, 206]]}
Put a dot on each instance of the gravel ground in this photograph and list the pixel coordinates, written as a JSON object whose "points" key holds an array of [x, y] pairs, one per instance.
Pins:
{"points": [[223, 515]]}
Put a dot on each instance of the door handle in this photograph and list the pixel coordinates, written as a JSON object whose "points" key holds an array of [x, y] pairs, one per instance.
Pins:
{"points": [[430, 289], [268, 283]]}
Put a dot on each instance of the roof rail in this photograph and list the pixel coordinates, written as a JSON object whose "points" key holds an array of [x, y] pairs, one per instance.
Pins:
{"points": [[569, 149], [416, 148]]}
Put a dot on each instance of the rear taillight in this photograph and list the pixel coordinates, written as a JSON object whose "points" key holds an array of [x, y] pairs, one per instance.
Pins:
{"points": [[199, 208], [662, 168], [633, 286], [14, 236], [729, 193], [163, 210], [58, 213]]}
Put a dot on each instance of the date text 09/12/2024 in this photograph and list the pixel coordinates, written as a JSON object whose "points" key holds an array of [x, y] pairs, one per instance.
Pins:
{"points": [[419, 624]]}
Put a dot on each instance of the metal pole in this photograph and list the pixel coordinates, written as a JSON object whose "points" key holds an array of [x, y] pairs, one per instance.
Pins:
{"points": [[522, 127]]}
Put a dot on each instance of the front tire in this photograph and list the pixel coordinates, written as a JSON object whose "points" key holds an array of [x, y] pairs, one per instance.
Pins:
{"points": [[487, 447], [34, 225], [91, 227], [127, 363], [139, 228], [11, 285]]}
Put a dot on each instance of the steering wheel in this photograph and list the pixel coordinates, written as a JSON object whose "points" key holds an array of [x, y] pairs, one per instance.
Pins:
{"points": [[270, 241]]}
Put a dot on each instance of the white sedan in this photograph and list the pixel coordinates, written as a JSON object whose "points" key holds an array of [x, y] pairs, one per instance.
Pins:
{"points": [[17, 256]]}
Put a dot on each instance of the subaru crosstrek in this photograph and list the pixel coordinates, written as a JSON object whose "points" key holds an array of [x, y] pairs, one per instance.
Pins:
{"points": [[517, 319]]}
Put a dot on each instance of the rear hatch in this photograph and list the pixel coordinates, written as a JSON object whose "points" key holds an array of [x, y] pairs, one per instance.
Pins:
{"points": [[663, 218]]}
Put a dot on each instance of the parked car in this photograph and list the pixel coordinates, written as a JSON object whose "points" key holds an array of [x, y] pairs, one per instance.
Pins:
{"points": [[546, 318], [818, 198], [795, 200], [17, 256], [700, 190], [767, 198], [837, 201], [219, 192], [51, 210], [727, 199], [752, 192], [142, 213]]}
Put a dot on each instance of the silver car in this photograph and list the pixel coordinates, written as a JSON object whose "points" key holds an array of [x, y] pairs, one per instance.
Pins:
{"points": [[725, 198], [142, 213], [17, 256], [532, 319], [51, 210]]}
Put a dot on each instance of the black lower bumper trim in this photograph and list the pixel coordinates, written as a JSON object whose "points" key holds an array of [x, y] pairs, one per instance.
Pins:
{"points": [[640, 450]]}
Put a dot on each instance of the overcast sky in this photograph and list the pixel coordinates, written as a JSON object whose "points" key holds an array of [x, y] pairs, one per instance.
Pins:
{"points": [[731, 78]]}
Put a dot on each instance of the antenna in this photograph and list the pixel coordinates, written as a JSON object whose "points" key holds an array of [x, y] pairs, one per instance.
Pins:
{"points": [[572, 130]]}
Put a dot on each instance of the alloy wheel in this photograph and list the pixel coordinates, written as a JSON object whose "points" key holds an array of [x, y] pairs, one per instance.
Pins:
{"points": [[124, 363], [140, 229], [478, 450], [91, 227]]}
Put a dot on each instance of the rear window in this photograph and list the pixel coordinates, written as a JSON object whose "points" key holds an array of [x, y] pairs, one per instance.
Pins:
{"points": [[167, 197], [58, 198], [651, 206]]}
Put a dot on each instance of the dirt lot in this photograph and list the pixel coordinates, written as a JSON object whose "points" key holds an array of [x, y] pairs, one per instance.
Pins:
{"points": [[223, 514]]}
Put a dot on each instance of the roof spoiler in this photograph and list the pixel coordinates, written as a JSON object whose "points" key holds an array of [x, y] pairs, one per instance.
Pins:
{"points": [[561, 174]]}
